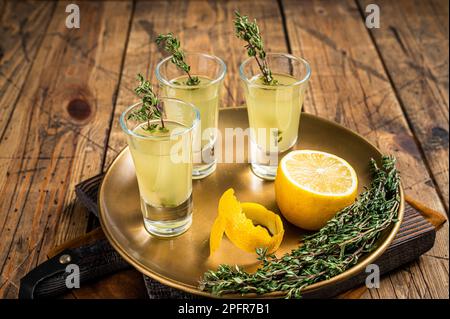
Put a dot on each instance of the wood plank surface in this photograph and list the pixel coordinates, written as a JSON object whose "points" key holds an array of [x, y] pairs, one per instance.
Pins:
{"points": [[349, 85], [22, 29], [56, 133], [414, 48], [205, 26], [390, 85]]}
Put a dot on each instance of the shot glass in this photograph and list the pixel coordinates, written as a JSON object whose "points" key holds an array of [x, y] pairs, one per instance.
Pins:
{"points": [[205, 96], [163, 163], [273, 110]]}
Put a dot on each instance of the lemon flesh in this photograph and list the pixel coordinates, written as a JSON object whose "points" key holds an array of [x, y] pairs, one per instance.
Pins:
{"points": [[312, 186]]}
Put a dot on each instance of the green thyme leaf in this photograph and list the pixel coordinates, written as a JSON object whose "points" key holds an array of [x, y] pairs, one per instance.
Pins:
{"points": [[172, 46], [249, 32], [151, 108]]}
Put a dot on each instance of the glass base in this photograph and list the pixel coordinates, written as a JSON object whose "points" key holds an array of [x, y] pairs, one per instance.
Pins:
{"points": [[200, 171], [265, 165], [205, 162], [266, 172], [167, 221]]}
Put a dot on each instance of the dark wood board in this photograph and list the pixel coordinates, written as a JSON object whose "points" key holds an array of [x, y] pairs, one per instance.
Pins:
{"points": [[415, 237]]}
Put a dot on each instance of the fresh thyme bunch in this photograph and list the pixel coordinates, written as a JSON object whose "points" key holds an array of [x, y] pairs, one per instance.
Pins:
{"points": [[151, 109], [172, 46], [330, 251], [249, 32]]}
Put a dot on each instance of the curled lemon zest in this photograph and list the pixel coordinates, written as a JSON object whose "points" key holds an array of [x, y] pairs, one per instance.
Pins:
{"points": [[247, 225]]}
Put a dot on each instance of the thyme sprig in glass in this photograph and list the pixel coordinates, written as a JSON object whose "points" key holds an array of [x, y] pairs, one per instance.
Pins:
{"points": [[151, 109], [336, 247], [172, 45], [249, 32]]}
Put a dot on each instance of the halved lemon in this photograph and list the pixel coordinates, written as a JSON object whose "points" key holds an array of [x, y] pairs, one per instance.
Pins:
{"points": [[312, 186]]}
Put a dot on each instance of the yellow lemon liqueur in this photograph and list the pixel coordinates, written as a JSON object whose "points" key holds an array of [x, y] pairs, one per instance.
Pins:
{"points": [[195, 78], [159, 135], [274, 88]]}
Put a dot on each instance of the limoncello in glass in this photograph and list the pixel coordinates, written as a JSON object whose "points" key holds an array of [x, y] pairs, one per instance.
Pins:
{"points": [[205, 96], [273, 110], [163, 164]]}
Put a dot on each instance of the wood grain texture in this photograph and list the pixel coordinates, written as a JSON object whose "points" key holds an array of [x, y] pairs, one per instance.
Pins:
{"points": [[204, 26], [22, 29], [391, 85], [56, 134], [414, 48], [349, 85]]}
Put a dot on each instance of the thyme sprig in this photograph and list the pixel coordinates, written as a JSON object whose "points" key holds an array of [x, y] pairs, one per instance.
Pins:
{"points": [[249, 32], [151, 108], [336, 247], [172, 45]]}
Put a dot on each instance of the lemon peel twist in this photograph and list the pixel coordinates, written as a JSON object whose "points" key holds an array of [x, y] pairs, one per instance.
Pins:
{"points": [[242, 223]]}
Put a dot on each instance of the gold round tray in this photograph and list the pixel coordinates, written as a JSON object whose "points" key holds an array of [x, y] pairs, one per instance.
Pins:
{"points": [[180, 262]]}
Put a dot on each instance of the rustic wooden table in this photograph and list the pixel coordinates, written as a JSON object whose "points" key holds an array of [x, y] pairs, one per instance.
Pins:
{"points": [[62, 90]]}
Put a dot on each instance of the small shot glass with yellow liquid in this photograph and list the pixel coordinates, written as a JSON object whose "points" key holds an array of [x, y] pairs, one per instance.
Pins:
{"points": [[210, 70], [273, 110], [163, 162]]}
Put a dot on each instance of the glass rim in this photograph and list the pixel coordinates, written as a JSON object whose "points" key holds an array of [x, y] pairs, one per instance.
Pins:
{"points": [[125, 128], [165, 81], [265, 86]]}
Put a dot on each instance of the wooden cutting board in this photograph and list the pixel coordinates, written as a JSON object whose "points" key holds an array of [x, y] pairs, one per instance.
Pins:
{"points": [[415, 237]]}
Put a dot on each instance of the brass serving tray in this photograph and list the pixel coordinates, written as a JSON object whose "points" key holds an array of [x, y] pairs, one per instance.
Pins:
{"points": [[180, 262]]}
